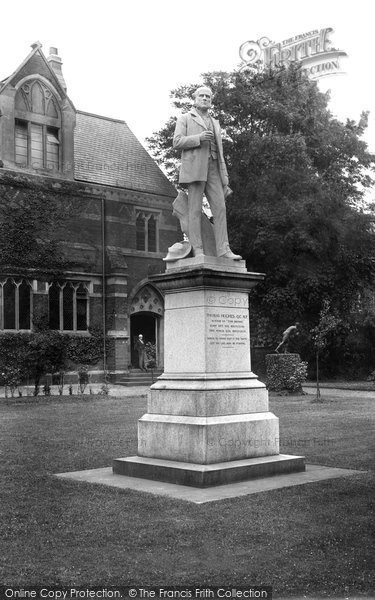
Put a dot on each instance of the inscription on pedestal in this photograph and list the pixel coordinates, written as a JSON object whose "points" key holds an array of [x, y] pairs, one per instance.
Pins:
{"points": [[227, 329], [207, 331], [227, 321]]}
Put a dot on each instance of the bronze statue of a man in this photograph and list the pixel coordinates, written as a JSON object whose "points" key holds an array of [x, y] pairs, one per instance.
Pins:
{"points": [[203, 171], [288, 334]]}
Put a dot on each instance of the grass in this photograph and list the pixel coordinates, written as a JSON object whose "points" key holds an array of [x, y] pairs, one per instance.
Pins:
{"points": [[311, 540]]}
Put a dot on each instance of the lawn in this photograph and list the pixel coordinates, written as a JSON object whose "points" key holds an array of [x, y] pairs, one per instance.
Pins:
{"points": [[312, 540]]}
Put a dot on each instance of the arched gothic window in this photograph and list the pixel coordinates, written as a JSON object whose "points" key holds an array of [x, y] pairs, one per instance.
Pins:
{"points": [[15, 304], [68, 306], [37, 127], [140, 232], [151, 233], [147, 231]]}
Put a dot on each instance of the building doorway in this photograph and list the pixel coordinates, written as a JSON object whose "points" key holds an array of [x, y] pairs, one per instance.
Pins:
{"points": [[147, 309], [143, 323]]}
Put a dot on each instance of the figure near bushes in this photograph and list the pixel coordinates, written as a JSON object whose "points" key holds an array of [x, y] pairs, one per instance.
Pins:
{"points": [[289, 333]]}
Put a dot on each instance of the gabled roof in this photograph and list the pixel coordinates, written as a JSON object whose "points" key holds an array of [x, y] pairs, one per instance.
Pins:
{"points": [[107, 152], [34, 63]]}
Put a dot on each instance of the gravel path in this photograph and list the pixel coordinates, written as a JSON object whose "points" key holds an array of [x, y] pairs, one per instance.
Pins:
{"points": [[122, 391], [339, 392], [114, 390]]}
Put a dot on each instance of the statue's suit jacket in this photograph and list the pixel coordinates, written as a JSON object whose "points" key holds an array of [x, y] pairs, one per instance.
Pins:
{"points": [[194, 157]]}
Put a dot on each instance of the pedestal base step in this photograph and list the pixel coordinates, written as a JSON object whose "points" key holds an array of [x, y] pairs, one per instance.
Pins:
{"points": [[207, 475]]}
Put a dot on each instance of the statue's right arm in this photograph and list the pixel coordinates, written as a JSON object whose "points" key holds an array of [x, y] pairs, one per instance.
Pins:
{"points": [[181, 140]]}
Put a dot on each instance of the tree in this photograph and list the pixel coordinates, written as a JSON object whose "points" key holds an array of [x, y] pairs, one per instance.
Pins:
{"points": [[299, 177], [46, 353], [328, 322]]}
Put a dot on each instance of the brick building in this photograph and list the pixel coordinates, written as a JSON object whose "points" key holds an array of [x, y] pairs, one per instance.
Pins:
{"points": [[122, 224]]}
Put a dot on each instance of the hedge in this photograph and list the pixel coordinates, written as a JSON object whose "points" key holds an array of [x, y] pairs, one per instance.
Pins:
{"points": [[285, 372]]}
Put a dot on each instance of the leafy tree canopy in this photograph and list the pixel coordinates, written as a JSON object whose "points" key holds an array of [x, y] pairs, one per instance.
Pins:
{"points": [[299, 176]]}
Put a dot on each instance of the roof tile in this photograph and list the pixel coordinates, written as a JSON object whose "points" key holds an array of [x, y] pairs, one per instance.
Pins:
{"points": [[107, 152]]}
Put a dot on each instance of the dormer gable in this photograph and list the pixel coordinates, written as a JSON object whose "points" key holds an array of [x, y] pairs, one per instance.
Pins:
{"points": [[37, 118], [37, 64]]}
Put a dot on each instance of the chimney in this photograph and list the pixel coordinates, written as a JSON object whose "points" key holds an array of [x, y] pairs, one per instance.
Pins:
{"points": [[55, 63]]}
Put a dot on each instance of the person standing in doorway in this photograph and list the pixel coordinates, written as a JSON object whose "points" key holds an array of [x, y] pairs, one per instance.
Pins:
{"points": [[141, 350]]}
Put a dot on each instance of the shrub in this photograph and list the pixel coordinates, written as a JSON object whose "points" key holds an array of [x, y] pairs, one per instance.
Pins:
{"points": [[285, 372], [150, 355], [46, 354], [33, 355], [83, 379], [84, 351], [13, 353], [10, 377], [104, 389], [59, 378]]}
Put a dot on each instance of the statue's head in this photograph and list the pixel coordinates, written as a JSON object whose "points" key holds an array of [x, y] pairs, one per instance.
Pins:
{"points": [[203, 97]]}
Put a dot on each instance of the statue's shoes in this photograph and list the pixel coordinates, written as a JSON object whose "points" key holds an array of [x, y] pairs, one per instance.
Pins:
{"points": [[231, 255]]}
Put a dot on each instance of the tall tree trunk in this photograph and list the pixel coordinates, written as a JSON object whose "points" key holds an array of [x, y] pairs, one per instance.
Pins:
{"points": [[317, 376]]}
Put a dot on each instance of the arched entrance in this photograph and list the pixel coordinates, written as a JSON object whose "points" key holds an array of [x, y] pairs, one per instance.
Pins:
{"points": [[146, 317]]}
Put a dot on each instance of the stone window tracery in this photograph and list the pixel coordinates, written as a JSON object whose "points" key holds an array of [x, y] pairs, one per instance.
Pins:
{"points": [[37, 127], [68, 306], [147, 231], [15, 304]]}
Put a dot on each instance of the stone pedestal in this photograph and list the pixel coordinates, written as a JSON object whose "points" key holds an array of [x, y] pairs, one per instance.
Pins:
{"points": [[208, 421]]}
